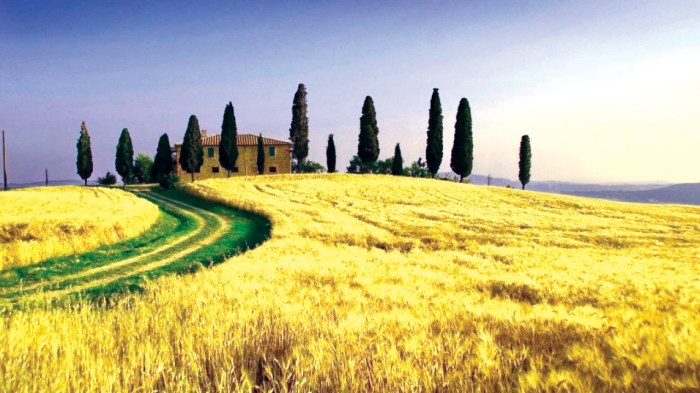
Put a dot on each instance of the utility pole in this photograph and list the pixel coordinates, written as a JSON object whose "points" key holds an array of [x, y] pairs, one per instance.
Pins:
{"points": [[4, 161], [47, 177]]}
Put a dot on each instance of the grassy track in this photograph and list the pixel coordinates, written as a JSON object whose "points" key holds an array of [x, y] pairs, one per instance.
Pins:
{"points": [[189, 234]]}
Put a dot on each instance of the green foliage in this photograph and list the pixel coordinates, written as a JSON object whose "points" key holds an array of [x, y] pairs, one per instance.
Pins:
{"points": [[167, 181], [525, 161], [108, 180], [312, 167], [355, 165], [228, 146], [143, 168], [330, 154], [299, 129], [192, 153], [433, 150], [463, 147], [417, 169], [124, 160], [261, 155], [368, 146], [397, 162], [84, 161], [163, 163], [382, 167]]}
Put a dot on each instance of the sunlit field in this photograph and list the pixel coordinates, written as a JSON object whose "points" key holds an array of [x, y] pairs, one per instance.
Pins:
{"points": [[378, 283], [38, 223]]}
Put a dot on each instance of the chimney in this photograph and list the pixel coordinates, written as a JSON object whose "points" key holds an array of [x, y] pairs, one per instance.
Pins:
{"points": [[204, 133]]}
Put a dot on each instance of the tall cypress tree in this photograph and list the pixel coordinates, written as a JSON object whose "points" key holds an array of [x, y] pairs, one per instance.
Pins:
{"points": [[330, 154], [163, 162], [124, 160], [397, 163], [299, 129], [84, 161], [261, 155], [433, 150], [228, 146], [525, 161], [368, 146], [192, 153], [463, 147]]}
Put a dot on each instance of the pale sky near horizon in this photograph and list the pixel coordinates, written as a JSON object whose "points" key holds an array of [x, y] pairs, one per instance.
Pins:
{"points": [[607, 91]]}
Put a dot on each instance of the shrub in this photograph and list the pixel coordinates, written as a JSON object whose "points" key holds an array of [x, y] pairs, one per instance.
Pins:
{"points": [[109, 179]]}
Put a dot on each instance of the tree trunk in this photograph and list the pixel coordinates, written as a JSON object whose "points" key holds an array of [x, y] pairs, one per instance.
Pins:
{"points": [[461, 178], [228, 173], [85, 181], [192, 176], [523, 187]]}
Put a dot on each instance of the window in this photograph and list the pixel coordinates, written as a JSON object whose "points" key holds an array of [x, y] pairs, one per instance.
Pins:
{"points": [[235, 169], [210, 152], [271, 151], [273, 169], [215, 169]]}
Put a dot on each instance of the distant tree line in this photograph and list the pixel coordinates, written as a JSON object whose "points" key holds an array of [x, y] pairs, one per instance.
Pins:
{"points": [[143, 169]]}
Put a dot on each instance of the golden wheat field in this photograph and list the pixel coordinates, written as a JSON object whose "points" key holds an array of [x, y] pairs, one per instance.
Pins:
{"points": [[378, 283], [38, 223]]}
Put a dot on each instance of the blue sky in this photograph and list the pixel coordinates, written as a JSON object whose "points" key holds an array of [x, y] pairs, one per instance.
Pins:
{"points": [[607, 91]]}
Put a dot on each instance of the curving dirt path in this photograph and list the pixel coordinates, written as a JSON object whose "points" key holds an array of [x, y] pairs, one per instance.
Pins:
{"points": [[210, 227]]}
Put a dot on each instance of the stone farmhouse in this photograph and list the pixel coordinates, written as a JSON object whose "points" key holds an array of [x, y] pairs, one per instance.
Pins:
{"points": [[278, 157]]}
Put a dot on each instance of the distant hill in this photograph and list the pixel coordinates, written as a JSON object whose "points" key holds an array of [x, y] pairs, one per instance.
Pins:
{"points": [[658, 192], [560, 187], [688, 194], [14, 186]]}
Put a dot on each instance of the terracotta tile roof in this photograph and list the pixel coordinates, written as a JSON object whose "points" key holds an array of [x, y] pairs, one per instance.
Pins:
{"points": [[242, 139]]}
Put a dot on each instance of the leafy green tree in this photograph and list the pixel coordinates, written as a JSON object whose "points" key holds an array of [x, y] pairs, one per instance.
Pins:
{"points": [[84, 161], [397, 163], [330, 154], [368, 146], [312, 167], [382, 167], [418, 169], [124, 160], [143, 167], [525, 161], [192, 153], [299, 129], [228, 146], [463, 147], [433, 150], [163, 163], [261, 155], [108, 180], [354, 166]]}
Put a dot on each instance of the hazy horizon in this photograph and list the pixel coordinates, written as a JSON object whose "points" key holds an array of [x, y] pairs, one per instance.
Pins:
{"points": [[607, 92]]}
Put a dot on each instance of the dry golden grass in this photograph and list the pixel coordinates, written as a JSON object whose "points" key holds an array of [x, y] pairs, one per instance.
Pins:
{"points": [[374, 283], [38, 223]]}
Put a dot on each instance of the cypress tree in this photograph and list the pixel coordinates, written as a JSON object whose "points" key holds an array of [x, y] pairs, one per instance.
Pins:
{"points": [[84, 161], [228, 146], [124, 160], [330, 154], [299, 129], [163, 162], [397, 163], [261, 155], [525, 161], [463, 147], [192, 153], [433, 150], [368, 146]]}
